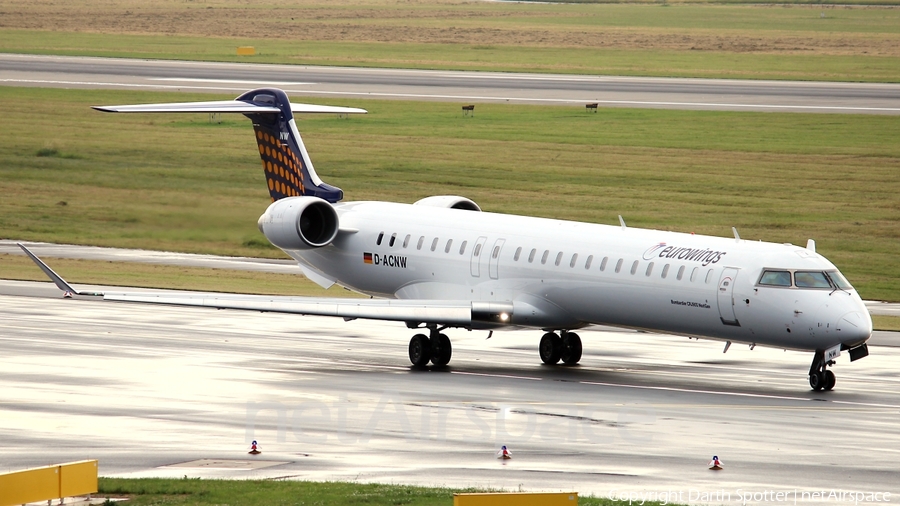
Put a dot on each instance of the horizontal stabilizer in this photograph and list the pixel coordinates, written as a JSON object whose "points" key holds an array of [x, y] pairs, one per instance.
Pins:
{"points": [[226, 106]]}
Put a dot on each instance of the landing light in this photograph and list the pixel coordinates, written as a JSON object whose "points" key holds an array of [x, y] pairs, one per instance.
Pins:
{"points": [[504, 317]]}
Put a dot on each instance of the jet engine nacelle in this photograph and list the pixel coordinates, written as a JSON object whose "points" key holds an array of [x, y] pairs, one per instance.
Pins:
{"points": [[299, 223], [449, 202]]}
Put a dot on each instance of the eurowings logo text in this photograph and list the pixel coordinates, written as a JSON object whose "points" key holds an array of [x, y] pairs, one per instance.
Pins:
{"points": [[704, 256]]}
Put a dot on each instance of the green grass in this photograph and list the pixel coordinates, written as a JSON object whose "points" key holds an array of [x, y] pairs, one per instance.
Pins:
{"points": [[702, 39], [181, 183], [147, 491], [884, 322], [20, 267]]}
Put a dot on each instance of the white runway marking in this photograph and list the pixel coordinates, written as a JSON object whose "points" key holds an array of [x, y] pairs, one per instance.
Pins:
{"points": [[496, 375], [424, 96], [739, 394], [233, 81]]}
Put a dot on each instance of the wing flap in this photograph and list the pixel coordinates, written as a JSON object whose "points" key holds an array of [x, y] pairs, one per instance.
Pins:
{"points": [[420, 311]]}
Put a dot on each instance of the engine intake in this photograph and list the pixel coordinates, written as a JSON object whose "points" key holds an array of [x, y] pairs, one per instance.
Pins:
{"points": [[299, 223]]}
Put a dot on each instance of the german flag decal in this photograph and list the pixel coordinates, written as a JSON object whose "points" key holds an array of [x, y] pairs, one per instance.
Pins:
{"points": [[367, 258]]}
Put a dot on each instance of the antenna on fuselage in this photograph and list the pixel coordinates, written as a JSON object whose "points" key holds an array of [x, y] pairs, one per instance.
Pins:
{"points": [[622, 222], [811, 245], [737, 238]]}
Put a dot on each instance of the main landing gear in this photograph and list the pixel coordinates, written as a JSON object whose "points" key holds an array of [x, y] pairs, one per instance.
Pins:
{"points": [[820, 378], [565, 347], [436, 349]]}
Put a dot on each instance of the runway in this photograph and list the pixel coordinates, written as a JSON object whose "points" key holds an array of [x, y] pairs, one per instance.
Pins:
{"points": [[146, 389], [450, 86]]}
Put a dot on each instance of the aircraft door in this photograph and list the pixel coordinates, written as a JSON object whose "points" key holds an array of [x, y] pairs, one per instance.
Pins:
{"points": [[726, 296], [476, 257], [495, 258]]}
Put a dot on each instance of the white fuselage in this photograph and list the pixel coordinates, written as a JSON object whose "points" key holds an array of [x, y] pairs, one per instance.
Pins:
{"points": [[565, 275]]}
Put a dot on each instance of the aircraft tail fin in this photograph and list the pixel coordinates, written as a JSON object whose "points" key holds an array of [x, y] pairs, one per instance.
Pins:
{"points": [[286, 163]]}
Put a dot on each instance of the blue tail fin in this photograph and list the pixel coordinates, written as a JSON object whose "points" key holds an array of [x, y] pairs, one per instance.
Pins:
{"points": [[289, 171]]}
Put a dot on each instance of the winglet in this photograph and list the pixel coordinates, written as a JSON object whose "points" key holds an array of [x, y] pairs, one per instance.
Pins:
{"points": [[56, 278]]}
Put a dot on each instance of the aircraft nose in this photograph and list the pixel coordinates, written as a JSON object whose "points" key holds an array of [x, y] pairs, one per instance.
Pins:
{"points": [[855, 328]]}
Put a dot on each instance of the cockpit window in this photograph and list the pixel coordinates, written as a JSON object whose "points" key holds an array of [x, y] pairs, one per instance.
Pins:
{"points": [[839, 280], [805, 279], [775, 278]]}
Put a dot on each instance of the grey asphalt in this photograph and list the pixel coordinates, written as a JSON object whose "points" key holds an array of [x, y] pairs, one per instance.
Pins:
{"points": [[151, 391], [475, 87]]}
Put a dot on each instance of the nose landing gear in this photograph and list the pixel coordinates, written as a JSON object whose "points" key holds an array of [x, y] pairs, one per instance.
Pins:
{"points": [[820, 378], [566, 347]]}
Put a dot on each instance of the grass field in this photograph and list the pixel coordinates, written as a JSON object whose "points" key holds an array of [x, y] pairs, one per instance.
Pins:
{"points": [[142, 275], [72, 175], [276, 493], [701, 39]]}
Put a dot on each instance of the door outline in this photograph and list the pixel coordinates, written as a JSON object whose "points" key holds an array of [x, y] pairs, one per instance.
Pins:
{"points": [[477, 251], [725, 296], [494, 269]]}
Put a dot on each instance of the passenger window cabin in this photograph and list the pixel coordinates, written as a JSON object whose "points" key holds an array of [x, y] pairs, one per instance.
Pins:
{"points": [[380, 238]]}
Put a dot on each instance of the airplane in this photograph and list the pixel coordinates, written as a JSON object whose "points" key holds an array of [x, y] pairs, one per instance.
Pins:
{"points": [[443, 263]]}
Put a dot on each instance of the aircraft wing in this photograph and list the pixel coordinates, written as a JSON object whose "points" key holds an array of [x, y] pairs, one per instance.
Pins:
{"points": [[444, 312], [226, 106]]}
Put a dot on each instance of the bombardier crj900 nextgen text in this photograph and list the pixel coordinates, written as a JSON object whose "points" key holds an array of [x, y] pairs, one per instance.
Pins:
{"points": [[443, 263]]}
